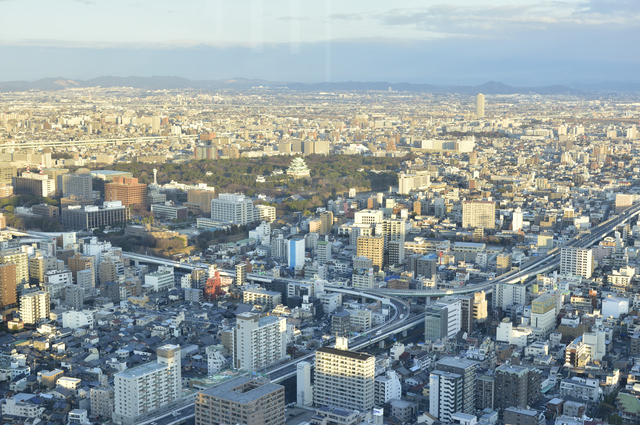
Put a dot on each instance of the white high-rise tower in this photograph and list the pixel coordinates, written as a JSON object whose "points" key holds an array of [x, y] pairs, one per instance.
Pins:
{"points": [[480, 105]]}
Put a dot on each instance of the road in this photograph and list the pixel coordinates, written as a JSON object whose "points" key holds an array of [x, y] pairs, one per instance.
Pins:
{"points": [[403, 319]]}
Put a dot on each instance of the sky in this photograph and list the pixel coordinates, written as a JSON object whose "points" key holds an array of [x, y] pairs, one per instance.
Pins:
{"points": [[520, 42]]}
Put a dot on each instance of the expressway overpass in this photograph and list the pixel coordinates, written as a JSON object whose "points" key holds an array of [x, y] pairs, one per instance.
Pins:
{"points": [[92, 142], [403, 320]]}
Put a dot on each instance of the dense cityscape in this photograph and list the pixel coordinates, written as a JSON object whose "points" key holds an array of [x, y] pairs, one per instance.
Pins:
{"points": [[272, 256]]}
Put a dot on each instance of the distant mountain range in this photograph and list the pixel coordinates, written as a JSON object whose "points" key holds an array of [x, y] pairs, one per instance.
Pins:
{"points": [[159, 83]]}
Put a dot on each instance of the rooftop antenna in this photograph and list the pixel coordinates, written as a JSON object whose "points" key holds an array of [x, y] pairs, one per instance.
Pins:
{"points": [[155, 176], [40, 169]]}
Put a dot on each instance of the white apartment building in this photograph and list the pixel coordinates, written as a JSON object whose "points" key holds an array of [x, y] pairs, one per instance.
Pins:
{"points": [[362, 276], [147, 387], [34, 307], [215, 360], [587, 389], [508, 294], [259, 341], [344, 379], [266, 213], [576, 261], [446, 394], [74, 319], [161, 280], [386, 387], [368, 217], [19, 405], [233, 208], [360, 320], [267, 299]]}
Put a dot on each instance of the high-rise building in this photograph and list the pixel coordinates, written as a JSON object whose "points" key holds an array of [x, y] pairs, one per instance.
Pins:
{"points": [[259, 341], [126, 190], [479, 214], [623, 201], [241, 274], [199, 201], [38, 266], [419, 180], [80, 262], [34, 184], [479, 105], [324, 252], [362, 276], [295, 252], [576, 261], [371, 247], [8, 285], [344, 379], [518, 220], [467, 370], [446, 391], [148, 387], [102, 402], [442, 319], [233, 208], [21, 260], [508, 294], [79, 184], [341, 323], [326, 222], [303, 381], [517, 386], [543, 315], [92, 217], [241, 400], [34, 307]]}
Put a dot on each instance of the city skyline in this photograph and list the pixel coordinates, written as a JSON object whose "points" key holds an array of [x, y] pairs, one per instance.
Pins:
{"points": [[461, 42]]}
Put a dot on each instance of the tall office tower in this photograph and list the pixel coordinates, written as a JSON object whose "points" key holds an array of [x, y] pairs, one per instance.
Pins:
{"points": [[241, 274], [79, 184], [326, 222], [467, 370], [295, 252], [480, 105], [199, 201], [126, 190], [259, 341], [368, 216], [442, 319], [517, 386], [21, 260], [38, 266], [148, 387], [80, 262], [480, 312], [518, 219], [576, 261], [109, 270], [446, 391], [8, 285], [34, 307], [479, 214], [86, 279], [423, 265], [233, 208], [241, 400], [279, 247], [362, 276], [543, 315], [466, 313], [304, 389], [324, 252], [503, 263], [34, 184], [371, 247], [508, 294], [344, 379]]}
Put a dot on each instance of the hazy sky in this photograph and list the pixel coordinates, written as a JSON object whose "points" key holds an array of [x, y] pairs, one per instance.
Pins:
{"points": [[447, 41]]}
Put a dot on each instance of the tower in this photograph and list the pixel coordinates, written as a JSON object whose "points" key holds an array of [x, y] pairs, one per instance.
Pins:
{"points": [[480, 106]]}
